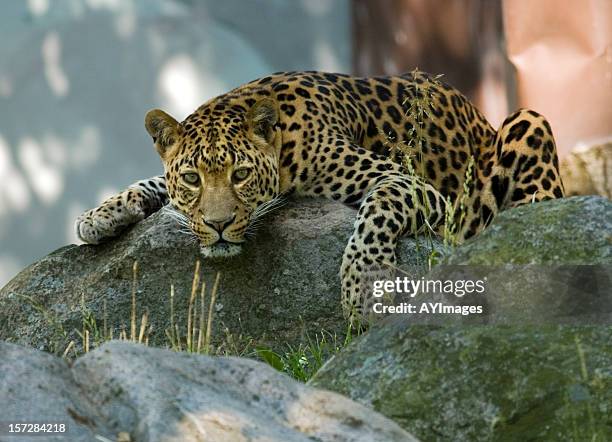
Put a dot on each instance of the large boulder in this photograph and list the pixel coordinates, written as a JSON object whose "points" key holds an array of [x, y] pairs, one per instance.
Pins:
{"points": [[481, 383], [284, 285], [546, 265], [129, 392]]}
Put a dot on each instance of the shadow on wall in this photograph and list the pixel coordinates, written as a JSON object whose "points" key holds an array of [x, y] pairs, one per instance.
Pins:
{"points": [[77, 77]]}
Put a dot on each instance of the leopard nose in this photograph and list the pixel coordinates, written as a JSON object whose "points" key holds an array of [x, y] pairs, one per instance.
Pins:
{"points": [[219, 224]]}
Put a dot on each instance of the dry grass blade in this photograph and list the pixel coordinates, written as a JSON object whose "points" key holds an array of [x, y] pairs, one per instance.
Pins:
{"points": [[213, 297], [178, 340], [69, 347], [143, 325], [171, 335], [133, 312], [201, 330], [194, 287], [104, 322]]}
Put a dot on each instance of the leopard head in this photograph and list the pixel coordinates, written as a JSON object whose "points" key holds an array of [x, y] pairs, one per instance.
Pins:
{"points": [[221, 168]]}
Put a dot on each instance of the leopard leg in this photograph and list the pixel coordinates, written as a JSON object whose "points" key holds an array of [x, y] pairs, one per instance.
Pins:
{"points": [[527, 168], [521, 168], [119, 211], [536, 174], [395, 206], [391, 204]]}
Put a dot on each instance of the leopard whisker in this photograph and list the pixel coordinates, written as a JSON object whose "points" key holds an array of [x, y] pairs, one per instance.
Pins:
{"points": [[177, 216], [257, 218], [183, 222], [269, 206], [191, 237], [174, 213]]}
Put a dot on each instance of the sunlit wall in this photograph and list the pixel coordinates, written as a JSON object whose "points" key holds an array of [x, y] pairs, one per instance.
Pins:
{"points": [[77, 76]]}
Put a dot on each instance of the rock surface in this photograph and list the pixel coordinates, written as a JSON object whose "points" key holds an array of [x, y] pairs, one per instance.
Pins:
{"points": [[283, 286], [575, 230], [585, 170], [481, 382], [132, 392], [541, 381], [547, 263]]}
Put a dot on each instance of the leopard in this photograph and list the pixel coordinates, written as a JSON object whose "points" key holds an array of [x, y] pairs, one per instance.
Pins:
{"points": [[347, 139]]}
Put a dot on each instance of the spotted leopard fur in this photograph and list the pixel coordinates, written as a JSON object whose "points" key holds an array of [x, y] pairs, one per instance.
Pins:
{"points": [[332, 135]]}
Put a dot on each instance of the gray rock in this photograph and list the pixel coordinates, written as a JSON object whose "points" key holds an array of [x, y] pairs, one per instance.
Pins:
{"points": [[39, 387], [546, 264], [137, 393], [283, 286], [575, 230], [481, 383]]}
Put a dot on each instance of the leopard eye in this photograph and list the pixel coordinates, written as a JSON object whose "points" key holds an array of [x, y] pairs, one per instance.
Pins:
{"points": [[240, 175], [191, 178]]}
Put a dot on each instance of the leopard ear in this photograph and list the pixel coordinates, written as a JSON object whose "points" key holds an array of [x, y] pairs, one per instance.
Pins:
{"points": [[262, 119], [164, 130]]}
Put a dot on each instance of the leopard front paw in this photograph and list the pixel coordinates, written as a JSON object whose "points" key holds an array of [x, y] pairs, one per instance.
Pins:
{"points": [[111, 217], [359, 275]]}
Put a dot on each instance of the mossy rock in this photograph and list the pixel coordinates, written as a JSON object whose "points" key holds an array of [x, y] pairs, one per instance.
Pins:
{"points": [[575, 230], [482, 382], [503, 382]]}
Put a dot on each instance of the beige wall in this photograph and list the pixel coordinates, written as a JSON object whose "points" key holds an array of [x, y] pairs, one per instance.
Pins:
{"points": [[562, 53]]}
